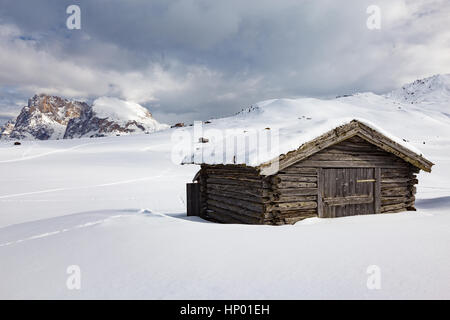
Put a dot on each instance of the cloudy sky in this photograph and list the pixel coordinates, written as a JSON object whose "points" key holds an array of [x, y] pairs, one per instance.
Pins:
{"points": [[196, 59]]}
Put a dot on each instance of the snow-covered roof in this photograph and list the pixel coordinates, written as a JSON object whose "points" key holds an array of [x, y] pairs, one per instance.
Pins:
{"points": [[363, 129], [269, 132]]}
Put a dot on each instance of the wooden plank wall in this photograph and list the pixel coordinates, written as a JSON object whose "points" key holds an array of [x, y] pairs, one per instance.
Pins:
{"points": [[353, 153], [394, 188], [238, 194], [235, 194], [398, 189], [294, 195]]}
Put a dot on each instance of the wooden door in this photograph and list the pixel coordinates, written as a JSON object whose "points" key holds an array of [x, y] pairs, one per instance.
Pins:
{"points": [[346, 192]]}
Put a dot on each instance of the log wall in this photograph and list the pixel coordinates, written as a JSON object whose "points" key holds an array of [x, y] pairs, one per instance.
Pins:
{"points": [[398, 189], [234, 194], [294, 195]]}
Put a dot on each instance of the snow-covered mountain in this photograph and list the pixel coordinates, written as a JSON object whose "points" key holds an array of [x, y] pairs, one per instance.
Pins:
{"points": [[45, 117], [51, 117], [431, 92], [112, 116], [7, 128]]}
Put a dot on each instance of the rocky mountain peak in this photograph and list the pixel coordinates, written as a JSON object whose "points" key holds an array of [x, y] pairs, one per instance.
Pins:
{"points": [[58, 109], [52, 117], [45, 117], [431, 90]]}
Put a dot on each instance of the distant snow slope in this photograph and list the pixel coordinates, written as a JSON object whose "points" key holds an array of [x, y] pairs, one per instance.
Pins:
{"points": [[115, 207]]}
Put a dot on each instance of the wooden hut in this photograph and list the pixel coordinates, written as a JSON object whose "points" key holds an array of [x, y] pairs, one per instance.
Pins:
{"points": [[350, 170]]}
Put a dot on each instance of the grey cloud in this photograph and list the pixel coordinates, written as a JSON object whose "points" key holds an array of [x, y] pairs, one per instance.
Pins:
{"points": [[189, 59]]}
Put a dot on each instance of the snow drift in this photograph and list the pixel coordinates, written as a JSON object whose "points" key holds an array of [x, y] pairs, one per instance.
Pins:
{"points": [[115, 207]]}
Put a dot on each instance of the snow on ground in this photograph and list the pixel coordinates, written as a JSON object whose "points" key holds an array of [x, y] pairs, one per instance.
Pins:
{"points": [[133, 254], [115, 207]]}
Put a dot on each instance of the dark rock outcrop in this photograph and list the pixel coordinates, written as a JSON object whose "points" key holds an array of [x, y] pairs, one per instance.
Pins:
{"points": [[46, 117]]}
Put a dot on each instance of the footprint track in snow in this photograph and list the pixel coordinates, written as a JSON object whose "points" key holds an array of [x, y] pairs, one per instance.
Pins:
{"points": [[55, 232]]}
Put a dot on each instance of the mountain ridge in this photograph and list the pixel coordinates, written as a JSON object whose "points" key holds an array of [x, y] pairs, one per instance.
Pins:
{"points": [[434, 90], [51, 118]]}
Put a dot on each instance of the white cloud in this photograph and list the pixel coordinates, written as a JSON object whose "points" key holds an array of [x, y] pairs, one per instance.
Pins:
{"points": [[24, 64]]}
